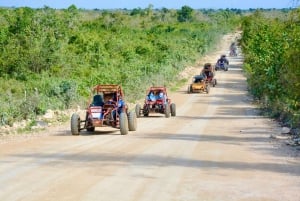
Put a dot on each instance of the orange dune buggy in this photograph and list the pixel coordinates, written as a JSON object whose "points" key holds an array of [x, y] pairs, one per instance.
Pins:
{"points": [[156, 101], [106, 108], [199, 84]]}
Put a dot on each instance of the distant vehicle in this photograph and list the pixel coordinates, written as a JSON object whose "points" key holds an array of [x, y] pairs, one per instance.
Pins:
{"points": [[209, 72], [106, 108], [199, 85], [156, 101], [222, 63], [233, 53], [233, 50], [221, 66]]}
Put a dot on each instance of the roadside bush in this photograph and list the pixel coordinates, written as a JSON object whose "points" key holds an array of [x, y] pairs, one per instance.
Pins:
{"points": [[271, 48]]}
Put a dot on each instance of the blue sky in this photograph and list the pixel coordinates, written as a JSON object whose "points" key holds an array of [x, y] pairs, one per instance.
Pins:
{"points": [[171, 4]]}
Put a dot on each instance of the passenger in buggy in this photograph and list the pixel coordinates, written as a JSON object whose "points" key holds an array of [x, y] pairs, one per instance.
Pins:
{"points": [[161, 96], [110, 98], [209, 74], [207, 71], [151, 96]]}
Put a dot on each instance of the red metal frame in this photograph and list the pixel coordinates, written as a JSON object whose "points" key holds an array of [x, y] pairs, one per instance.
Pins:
{"points": [[107, 108]]}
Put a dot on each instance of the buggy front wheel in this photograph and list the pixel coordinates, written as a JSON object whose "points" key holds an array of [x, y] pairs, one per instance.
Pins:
{"points": [[75, 124], [138, 110], [173, 109], [132, 123], [167, 110], [123, 120]]}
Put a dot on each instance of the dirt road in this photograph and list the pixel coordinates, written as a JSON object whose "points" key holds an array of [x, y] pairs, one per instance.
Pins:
{"points": [[216, 148]]}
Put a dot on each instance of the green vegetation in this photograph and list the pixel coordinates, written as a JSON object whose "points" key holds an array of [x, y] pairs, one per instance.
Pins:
{"points": [[51, 58], [271, 47]]}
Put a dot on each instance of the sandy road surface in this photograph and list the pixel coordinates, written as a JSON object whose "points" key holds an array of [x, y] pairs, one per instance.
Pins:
{"points": [[216, 148]]}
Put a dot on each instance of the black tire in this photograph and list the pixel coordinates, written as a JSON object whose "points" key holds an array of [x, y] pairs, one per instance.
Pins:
{"points": [[75, 124], [138, 110], [167, 110], [145, 111], [90, 129], [123, 120], [173, 109], [132, 122]]}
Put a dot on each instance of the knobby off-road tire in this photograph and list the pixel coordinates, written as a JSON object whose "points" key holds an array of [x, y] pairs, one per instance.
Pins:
{"points": [[167, 110], [123, 120], [138, 110], [173, 109], [132, 122], [75, 124]]}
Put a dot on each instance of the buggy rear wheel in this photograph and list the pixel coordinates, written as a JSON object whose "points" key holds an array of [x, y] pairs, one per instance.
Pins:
{"points": [[75, 124], [132, 123], [123, 120], [138, 110], [167, 110], [173, 109]]}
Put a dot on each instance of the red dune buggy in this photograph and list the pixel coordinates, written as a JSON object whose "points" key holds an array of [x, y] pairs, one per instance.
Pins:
{"points": [[209, 72], [156, 101], [106, 108]]}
